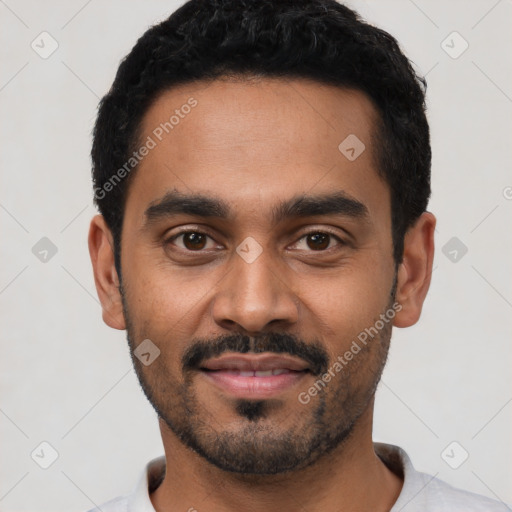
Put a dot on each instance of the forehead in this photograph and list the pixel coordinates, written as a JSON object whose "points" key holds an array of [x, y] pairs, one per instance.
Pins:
{"points": [[253, 140]]}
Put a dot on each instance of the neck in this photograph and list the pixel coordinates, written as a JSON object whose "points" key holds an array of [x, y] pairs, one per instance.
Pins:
{"points": [[351, 477]]}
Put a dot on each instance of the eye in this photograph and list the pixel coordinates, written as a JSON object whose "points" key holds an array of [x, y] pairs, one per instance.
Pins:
{"points": [[192, 240], [318, 241]]}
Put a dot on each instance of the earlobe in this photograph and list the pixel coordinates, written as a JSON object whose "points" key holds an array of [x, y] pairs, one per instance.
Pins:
{"points": [[414, 273], [105, 274]]}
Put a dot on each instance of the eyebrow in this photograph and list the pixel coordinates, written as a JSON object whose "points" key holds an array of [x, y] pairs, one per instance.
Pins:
{"points": [[175, 203]]}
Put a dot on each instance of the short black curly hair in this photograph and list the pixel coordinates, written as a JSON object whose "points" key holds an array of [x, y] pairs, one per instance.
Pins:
{"points": [[314, 39]]}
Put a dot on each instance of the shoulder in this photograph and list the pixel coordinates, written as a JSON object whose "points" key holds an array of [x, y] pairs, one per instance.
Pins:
{"points": [[139, 499], [426, 493], [440, 496]]}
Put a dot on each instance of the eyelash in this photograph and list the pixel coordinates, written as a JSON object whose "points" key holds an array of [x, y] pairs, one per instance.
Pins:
{"points": [[340, 241]]}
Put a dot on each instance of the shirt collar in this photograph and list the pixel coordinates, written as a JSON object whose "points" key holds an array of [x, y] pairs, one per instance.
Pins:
{"points": [[154, 472], [394, 457]]}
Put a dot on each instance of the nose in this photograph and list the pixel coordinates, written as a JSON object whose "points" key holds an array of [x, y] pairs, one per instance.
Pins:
{"points": [[252, 296]]}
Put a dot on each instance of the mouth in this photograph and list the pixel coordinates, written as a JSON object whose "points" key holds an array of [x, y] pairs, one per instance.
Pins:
{"points": [[254, 376]]}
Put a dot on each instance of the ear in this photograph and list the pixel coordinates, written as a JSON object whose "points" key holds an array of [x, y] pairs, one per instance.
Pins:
{"points": [[101, 250], [415, 271]]}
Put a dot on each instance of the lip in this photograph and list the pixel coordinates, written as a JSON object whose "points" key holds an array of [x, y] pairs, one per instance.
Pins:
{"points": [[255, 362], [271, 374]]}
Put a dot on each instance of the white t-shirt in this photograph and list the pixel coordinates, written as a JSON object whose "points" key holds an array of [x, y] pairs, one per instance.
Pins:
{"points": [[420, 492]]}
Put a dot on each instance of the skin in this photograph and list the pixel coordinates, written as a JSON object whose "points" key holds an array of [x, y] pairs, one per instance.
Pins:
{"points": [[254, 144]]}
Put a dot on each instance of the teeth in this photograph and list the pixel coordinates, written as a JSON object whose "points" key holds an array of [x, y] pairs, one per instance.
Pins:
{"points": [[261, 373]]}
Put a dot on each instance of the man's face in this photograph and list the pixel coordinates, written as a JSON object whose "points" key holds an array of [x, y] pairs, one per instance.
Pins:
{"points": [[255, 302]]}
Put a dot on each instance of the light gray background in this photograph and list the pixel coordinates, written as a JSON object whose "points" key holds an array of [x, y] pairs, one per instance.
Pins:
{"points": [[66, 378]]}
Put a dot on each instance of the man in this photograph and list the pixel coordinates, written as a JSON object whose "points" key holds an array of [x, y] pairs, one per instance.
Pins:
{"points": [[262, 169]]}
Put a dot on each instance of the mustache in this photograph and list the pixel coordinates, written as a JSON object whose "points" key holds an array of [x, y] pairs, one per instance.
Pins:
{"points": [[280, 343]]}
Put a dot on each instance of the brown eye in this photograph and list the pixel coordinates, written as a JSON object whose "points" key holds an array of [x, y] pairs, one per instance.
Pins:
{"points": [[194, 241], [318, 241]]}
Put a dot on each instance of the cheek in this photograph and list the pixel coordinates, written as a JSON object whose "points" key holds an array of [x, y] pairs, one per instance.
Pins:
{"points": [[166, 302], [345, 305]]}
